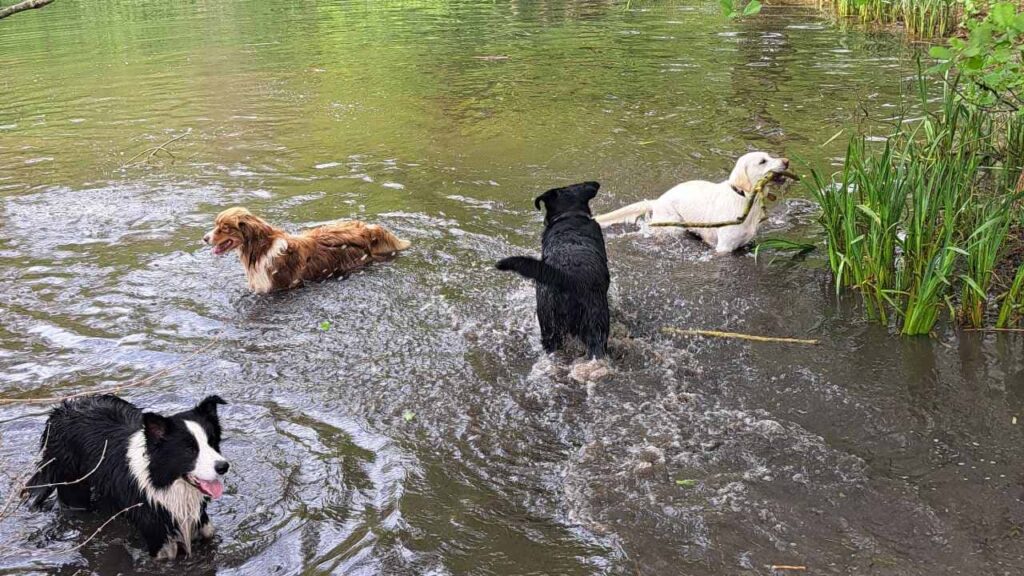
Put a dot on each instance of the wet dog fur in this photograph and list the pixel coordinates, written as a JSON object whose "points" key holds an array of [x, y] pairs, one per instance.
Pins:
{"points": [[276, 260], [572, 275], [103, 453], [703, 201]]}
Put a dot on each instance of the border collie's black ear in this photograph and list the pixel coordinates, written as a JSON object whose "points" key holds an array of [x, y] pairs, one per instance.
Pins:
{"points": [[156, 426], [208, 406], [545, 197], [590, 189]]}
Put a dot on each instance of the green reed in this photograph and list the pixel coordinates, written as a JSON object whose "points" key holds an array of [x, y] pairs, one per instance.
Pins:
{"points": [[921, 18], [919, 225], [990, 219], [1012, 308]]}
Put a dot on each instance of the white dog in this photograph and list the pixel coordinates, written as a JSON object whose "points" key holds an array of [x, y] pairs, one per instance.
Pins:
{"points": [[701, 201]]}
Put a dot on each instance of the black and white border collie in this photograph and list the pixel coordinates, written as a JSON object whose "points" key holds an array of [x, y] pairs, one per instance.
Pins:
{"points": [[166, 467]]}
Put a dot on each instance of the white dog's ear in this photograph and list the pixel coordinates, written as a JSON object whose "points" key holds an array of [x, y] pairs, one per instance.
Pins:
{"points": [[741, 179]]}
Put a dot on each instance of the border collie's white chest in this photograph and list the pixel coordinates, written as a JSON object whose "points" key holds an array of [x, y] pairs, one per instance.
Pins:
{"points": [[182, 501]]}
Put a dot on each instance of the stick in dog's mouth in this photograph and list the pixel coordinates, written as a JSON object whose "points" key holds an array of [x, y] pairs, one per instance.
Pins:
{"points": [[781, 176]]}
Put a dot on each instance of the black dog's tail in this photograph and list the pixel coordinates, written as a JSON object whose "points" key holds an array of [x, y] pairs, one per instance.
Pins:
{"points": [[534, 269]]}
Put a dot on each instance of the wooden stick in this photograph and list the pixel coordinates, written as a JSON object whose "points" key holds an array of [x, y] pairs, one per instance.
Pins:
{"points": [[152, 151], [993, 329], [788, 567], [26, 5], [718, 334], [109, 389], [98, 530]]}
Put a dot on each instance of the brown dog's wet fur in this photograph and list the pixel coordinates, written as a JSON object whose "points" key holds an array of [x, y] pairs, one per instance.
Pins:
{"points": [[276, 260]]}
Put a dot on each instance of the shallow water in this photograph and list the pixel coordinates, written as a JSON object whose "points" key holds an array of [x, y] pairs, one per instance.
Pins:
{"points": [[424, 432]]}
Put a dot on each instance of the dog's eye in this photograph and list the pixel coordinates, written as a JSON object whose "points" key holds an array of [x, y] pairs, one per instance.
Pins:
{"points": [[763, 161]]}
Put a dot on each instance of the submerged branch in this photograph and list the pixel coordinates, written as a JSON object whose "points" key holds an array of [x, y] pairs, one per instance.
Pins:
{"points": [[98, 530], [26, 5]]}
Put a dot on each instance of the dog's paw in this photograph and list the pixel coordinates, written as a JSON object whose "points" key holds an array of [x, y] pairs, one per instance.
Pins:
{"points": [[169, 551], [207, 531], [591, 371]]}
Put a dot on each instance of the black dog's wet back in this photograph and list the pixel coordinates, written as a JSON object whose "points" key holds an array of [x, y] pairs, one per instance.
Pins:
{"points": [[572, 276]]}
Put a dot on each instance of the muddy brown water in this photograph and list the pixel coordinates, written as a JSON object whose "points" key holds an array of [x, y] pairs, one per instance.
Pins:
{"points": [[424, 432]]}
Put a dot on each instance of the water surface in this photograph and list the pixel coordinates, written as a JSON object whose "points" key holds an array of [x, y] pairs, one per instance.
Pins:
{"points": [[424, 432]]}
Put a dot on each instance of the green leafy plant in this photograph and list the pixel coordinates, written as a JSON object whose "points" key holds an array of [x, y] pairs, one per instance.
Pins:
{"points": [[798, 249], [736, 9], [990, 58], [1012, 308], [324, 326]]}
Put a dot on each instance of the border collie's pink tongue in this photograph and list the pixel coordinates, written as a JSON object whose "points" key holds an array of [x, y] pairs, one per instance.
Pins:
{"points": [[212, 488]]}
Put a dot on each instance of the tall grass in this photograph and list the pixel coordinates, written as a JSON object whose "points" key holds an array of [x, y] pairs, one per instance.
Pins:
{"points": [[1012, 308], [919, 226], [921, 18], [990, 220]]}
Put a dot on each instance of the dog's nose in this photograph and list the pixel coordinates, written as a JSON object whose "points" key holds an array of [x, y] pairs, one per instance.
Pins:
{"points": [[785, 162], [206, 238], [221, 467]]}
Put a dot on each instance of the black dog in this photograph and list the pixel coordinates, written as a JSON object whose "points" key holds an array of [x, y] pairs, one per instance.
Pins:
{"points": [[572, 275], [103, 452]]}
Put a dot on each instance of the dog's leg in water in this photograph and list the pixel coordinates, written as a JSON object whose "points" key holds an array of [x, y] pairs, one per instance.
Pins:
{"points": [[206, 530], [75, 496], [596, 333], [161, 543], [169, 551], [596, 345], [550, 337]]}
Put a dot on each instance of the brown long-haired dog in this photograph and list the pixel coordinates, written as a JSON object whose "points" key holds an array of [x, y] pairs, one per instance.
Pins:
{"points": [[275, 260]]}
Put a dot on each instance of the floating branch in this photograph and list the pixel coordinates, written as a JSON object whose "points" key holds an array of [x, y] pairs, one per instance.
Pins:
{"points": [[736, 335], [26, 5], [149, 153]]}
